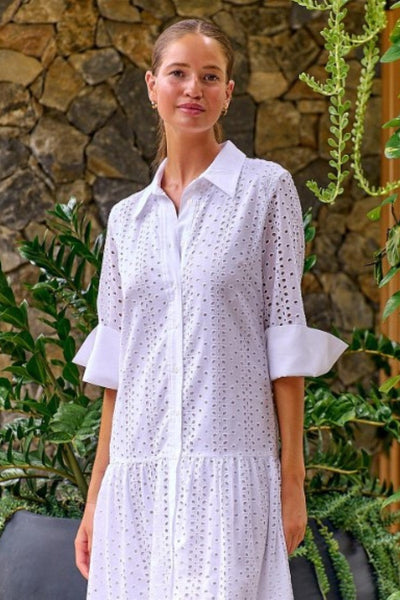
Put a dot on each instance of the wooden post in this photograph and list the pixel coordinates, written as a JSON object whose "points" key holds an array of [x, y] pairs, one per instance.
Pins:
{"points": [[389, 465]]}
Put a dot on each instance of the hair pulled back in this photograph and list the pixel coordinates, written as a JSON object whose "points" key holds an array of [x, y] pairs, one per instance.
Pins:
{"points": [[173, 33]]}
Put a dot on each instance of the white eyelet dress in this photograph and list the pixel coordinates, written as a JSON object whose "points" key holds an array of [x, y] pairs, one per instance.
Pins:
{"points": [[198, 312]]}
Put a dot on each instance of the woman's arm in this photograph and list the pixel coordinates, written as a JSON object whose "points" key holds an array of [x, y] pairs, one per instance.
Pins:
{"points": [[83, 539], [289, 404], [103, 446]]}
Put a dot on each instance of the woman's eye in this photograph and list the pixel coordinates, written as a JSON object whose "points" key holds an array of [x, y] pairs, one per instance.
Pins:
{"points": [[177, 73], [211, 77]]}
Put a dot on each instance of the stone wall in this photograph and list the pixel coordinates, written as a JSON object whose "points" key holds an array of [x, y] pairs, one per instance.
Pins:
{"points": [[75, 120]]}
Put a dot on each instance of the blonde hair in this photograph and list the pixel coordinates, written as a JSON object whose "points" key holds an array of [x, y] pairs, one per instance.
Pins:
{"points": [[171, 34]]}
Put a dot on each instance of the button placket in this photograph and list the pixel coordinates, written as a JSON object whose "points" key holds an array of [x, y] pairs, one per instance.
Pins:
{"points": [[175, 367]]}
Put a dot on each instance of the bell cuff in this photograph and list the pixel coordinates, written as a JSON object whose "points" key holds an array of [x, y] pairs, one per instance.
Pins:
{"points": [[99, 353], [298, 350]]}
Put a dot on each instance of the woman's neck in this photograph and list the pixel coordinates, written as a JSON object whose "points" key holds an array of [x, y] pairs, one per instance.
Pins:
{"points": [[187, 158]]}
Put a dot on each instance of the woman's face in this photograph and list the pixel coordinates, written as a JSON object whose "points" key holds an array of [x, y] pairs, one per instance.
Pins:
{"points": [[190, 87]]}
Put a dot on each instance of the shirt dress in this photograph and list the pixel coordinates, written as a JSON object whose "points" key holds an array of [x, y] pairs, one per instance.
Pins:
{"points": [[199, 310]]}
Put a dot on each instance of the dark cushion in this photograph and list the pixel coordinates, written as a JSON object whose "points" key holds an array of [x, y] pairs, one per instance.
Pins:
{"points": [[305, 585], [37, 559]]}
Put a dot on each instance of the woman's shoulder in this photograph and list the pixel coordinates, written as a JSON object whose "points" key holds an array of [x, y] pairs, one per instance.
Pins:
{"points": [[265, 179], [125, 207], [264, 169]]}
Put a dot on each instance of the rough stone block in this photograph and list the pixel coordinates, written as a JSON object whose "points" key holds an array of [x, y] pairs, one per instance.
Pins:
{"points": [[277, 126], [15, 106], [200, 8], [372, 138], [76, 29], [241, 72], [107, 192], [238, 125], [345, 296], [102, 37], [119, 10], [37, 11], [59, 148], [263, 86], [13, 155], [133, 40], [262, 54], [28, 39], [8, 8], [23, 197], [96, 66], [91, 109], [298, 54], [294, 159], [264, 21], [78, 189], [18, 68], [62, 84], [132, 96], [163, 9], [300, 90], [228, 22], [309, 130], [356, 253], [10, 257], [312, 106], [111, 153]]}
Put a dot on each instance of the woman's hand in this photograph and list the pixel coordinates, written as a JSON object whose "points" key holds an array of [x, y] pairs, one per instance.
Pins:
{"points": [[294, 512], [83, 540]]}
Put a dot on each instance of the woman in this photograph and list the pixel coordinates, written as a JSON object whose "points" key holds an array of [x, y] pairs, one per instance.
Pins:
{"points": [[202, 347]]}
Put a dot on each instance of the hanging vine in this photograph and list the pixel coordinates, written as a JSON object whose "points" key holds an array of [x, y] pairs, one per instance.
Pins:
{"points": [[345, 143]]}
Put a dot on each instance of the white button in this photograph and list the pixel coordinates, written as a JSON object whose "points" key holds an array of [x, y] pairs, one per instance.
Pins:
{"points": [[176, 370]]}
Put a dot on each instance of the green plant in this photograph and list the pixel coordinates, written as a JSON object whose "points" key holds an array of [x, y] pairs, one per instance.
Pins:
{"points": [[52, 435], [391, 250], [392, 149], [341, 489], [367, 518], [345, 142]]}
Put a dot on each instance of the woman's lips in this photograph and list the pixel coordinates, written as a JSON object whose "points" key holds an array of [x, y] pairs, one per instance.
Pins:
{"points": [[191, 109]]}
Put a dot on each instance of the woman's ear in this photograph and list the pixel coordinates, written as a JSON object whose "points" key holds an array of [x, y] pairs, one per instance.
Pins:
{"points": [[229, 90], [150, 82]]}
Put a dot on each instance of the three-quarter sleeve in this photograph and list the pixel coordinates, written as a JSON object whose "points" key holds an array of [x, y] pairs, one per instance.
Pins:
{"points": [[100, 351], [293, 348]]}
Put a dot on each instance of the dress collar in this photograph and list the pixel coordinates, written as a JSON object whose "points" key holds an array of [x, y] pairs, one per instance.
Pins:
{"points": [[223, 172]]}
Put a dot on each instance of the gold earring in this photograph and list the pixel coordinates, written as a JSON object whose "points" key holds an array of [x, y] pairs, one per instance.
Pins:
{"points": [[224, 110], [153, 105]]}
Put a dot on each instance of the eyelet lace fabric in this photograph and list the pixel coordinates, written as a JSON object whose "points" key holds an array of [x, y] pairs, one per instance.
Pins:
{"points": [[198, 312]]}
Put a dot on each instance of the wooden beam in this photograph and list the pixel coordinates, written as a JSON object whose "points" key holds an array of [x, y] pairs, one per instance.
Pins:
{"points": [[389, 464]]}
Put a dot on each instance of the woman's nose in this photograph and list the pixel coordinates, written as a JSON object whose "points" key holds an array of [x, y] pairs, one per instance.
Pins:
{"points": [[193, 87]]}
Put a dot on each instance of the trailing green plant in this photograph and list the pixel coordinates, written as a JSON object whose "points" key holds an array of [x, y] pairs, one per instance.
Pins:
{"points": [[309, 235], [309, 550], [341, 489], [346, 142], [366, 517]]}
